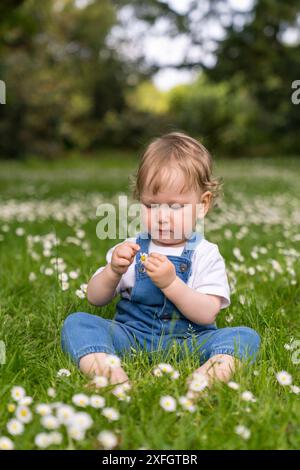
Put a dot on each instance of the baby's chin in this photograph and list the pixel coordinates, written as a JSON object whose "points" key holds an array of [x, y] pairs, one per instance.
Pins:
{"points": [[166, 239]]}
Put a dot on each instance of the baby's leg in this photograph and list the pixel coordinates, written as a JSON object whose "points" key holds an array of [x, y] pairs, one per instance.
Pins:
{"points": [[89, 339], [226, 349], [94, 364]]}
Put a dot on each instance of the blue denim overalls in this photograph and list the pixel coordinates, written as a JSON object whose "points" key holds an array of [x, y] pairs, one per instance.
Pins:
{"points": [[151, 322], [149, 313]]}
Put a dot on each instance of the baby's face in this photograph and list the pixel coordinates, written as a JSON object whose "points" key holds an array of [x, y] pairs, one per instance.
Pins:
{"points": [[170, 216]]}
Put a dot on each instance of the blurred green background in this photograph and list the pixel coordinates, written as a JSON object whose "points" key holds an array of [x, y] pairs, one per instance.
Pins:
{"points": [[70, 87]]}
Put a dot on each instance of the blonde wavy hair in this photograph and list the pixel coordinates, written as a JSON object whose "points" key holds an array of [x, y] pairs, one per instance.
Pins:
{"points": [[171, 152]]}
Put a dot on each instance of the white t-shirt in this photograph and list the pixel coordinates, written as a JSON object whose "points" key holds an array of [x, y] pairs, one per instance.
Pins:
{"points": [[208, 274]]}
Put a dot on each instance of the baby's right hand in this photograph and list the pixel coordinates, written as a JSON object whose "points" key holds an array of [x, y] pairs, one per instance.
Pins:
{"points": [[123, 256]]}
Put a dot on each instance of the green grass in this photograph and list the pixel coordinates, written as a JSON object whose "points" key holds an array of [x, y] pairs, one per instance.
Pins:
{"points": [[260, 210]]}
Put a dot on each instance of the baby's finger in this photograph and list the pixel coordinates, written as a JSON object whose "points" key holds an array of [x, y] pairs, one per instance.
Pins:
{"points": [[123, 262], [134, 246], [157, 256], [152, 262]]}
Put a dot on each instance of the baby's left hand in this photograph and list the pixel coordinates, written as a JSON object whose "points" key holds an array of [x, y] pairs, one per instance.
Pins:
{"points": [[160, 269]]}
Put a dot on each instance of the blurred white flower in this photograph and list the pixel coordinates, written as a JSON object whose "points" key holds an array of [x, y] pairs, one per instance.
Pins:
{"points": [[51, 392], [80, 399], [167, 368], [43, 409], [50, 422], [6, 443], [100, 381], [168, 403], [63, 373], [233, 385], [15, 427], [111, 414], [198, 383], [43, 440], [17, 393], [107, 439], [81, 420], [112, 361], [23, 414], [284, 378], [243, 431], [65, 413], [96, 401], [248, 396]]}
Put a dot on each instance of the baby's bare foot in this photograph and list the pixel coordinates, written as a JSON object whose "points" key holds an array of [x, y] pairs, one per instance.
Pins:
{"points": [[118, 376], [96, 364]]}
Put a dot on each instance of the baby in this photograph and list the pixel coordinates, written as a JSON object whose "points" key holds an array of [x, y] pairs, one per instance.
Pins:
{"points": [[172, 280]]}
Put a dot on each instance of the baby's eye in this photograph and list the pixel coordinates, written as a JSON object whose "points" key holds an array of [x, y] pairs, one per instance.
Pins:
{"points": [[151, 206], [176, 206]]}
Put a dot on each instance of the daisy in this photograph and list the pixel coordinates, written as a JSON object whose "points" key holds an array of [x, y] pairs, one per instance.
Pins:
{"points": [[65, 413], [76, 433], [168, 403], [73, 274], [6, 443], [96, 401], [15, 427], [119, 392], [26, 401], [50, 422], [107, 439], [157, 372], [17, 393], [284, 378], [111, 414], [65, 285], [233, 385], [11, 407], [198, 383], [23, 414], [248, 396], [43, 409], [187, 403], [81, 420], [83, 287], [80, 399], [63, 276], [100, 381], [80, 294], [144, 256], [51, 392], [112, 361], [63, 373], [242, 431], [55, 437], [174, 375], [167, 368], [295, 389], [42, 440], [32, 277]]}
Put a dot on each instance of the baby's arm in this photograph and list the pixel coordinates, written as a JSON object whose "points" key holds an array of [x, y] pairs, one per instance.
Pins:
{"points": [[186, 299], [101, 287], [197, 307]]}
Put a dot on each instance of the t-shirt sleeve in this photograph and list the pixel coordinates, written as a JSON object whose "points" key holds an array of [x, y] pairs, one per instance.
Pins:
{"points": [[211, 277]]}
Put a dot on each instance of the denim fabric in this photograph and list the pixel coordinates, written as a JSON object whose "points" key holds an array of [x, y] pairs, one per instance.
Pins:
{"points": [[151, 322]]}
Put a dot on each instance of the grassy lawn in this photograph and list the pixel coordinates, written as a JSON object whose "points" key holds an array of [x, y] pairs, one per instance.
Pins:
{"points": [[48, 211]]}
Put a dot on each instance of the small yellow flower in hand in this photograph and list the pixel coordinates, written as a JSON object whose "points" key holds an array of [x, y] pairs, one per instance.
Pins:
{"points": [[144, 257]]}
